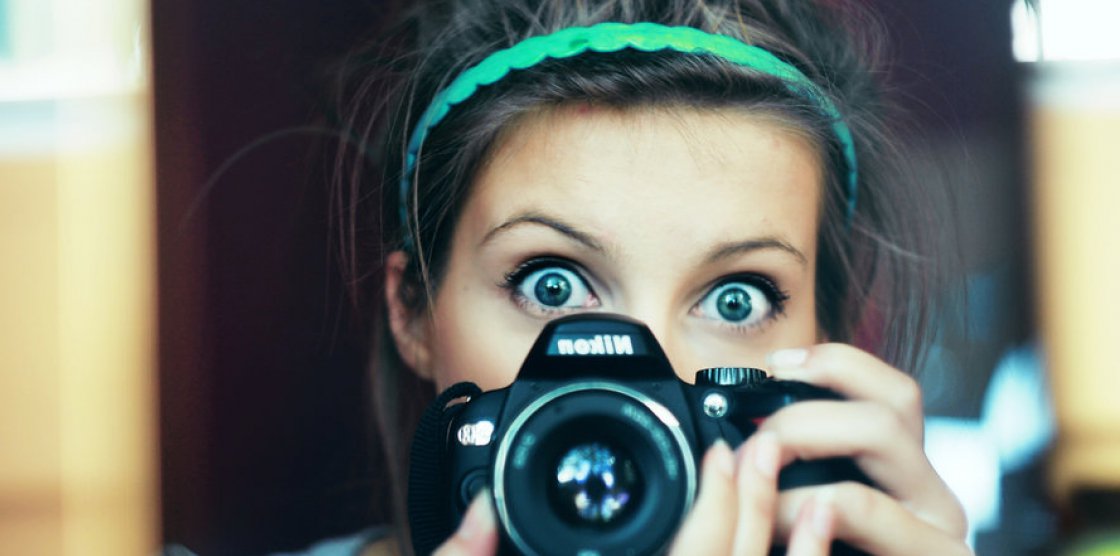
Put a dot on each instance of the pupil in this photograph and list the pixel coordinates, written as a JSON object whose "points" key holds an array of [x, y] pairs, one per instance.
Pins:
{"points": [[553, 289], [594, 484], [734, 305]]}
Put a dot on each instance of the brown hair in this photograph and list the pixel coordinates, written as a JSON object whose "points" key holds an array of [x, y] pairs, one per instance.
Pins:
{"points": [[876, 274]]}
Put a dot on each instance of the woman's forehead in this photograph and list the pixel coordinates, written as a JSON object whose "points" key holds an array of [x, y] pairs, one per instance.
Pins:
{"points": [[685, 117], [688, 139], [680, 167]]}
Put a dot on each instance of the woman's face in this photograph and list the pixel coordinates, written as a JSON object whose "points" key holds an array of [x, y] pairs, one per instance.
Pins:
{"points": [[702, 224]]}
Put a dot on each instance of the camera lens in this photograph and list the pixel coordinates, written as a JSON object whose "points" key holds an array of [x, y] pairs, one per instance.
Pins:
{"points": [[593, 468], [595, 485]]}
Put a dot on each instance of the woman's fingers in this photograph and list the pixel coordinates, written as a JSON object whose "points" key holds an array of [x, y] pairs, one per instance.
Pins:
{"points": [[477, 534], [735, 511], [876, 439], [867, 519], [710, 526], [856, 375], [880, 426], [812, 530], [756, 478]]}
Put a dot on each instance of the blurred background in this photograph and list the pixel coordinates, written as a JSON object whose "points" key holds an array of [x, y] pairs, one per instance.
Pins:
{"points": [[175, 361]]}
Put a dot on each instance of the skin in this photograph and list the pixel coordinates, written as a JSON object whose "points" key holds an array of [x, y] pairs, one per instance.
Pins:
{"points": [[651, 211]]}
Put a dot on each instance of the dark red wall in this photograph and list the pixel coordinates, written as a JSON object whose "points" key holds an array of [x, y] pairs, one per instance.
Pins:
{"points": [[263, 426]]}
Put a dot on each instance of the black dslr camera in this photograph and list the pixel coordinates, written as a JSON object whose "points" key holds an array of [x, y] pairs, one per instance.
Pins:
{"points": [[595, 448]]}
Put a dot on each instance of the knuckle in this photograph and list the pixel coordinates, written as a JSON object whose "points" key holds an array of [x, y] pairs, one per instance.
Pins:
{"points": [[908, 400], [909, 394], [884, 425], [958, 520], [759, 504], [851, 500], [834, 362], [828, 358]]}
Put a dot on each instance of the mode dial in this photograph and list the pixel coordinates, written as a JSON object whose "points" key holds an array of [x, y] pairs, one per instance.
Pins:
{"points": [[730, 376]]}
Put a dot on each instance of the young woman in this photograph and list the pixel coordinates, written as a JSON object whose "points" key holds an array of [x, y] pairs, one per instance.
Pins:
{"points": [[719, 170]]}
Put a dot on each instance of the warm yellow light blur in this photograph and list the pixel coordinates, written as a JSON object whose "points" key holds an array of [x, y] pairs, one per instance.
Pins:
{"points": [[1076, 127], [77, 327]]}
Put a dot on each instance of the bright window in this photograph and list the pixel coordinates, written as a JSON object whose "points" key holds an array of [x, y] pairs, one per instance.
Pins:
{"points": [[1066, 30]]}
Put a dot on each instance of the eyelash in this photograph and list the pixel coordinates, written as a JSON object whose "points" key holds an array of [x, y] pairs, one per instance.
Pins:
{"points": [[769, 287], [514, 279]]}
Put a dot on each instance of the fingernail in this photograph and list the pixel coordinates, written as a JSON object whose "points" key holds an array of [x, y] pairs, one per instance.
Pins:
{"points": [[480, 517], [722, 458], [765, 456], [791, 373], [786, 358]]}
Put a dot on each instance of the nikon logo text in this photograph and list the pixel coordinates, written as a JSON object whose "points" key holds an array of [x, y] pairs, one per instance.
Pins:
{"points": [[599, 344]]}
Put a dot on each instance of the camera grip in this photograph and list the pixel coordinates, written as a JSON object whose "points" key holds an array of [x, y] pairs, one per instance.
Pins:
{"points": [[819, 472], [428, 482]]}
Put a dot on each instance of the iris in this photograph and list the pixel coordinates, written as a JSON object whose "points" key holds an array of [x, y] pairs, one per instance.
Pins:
{"points": [[734, 304], [553, 289]]}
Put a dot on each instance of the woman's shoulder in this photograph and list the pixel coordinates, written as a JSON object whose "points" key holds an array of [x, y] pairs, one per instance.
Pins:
{"points": [[385, 546], [374, 541]]}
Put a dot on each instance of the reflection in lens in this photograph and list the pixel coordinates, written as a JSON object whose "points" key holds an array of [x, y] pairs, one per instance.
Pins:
{"points": [[594, 484]]}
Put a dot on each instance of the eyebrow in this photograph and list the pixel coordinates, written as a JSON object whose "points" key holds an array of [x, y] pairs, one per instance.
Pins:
{"points": [[756, 244], [721, 251], [548, 221]]}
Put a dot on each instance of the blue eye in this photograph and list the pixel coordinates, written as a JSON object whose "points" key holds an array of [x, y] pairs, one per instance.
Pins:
{"points": [[553, 288], [741, 302], [547, 286]]}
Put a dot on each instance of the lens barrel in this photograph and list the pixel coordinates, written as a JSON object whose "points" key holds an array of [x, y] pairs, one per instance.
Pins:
{"points": [[612, 467]]}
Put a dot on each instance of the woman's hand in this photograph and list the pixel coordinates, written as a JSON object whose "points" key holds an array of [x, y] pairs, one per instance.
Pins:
{"points": [[880, 426]]}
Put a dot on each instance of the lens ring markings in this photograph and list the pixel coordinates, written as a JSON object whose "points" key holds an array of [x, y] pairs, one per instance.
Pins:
{"points": [[640, 426]]}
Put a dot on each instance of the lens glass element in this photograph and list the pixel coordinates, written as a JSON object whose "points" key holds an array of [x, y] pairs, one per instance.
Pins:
{"points": [[595, 484]]}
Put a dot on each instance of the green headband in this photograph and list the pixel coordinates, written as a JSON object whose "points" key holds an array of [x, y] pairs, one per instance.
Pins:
{"points": [[612, 37]]}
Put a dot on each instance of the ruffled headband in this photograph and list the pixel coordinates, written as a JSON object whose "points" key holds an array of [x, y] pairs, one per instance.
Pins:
{"points": [[613, 37]]}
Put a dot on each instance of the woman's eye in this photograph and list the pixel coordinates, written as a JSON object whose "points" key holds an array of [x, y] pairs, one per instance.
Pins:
{"points": [[741, 303], [553, 287]]}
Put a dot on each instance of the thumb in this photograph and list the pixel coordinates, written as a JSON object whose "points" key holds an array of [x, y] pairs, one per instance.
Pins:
{"points": [[477, 534]]}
